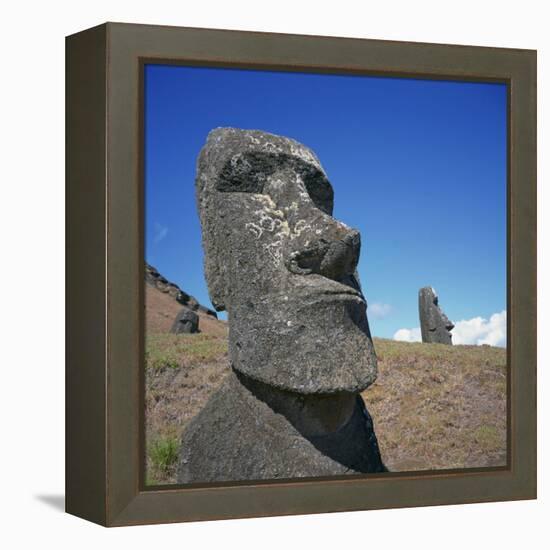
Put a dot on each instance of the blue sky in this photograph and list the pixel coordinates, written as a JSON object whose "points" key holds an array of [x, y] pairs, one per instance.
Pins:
{"points": [[418, 166]]}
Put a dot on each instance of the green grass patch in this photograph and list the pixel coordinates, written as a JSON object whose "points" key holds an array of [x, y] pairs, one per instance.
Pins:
{"points": [[163, 453], [174, 350]]}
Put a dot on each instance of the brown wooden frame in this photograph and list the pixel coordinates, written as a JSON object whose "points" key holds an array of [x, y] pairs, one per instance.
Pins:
{"points": [[104, 369]]}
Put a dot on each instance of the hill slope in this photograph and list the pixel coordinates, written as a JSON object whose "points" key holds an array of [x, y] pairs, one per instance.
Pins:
{"points": [[434, 406], [161, 310], [439, 407]]}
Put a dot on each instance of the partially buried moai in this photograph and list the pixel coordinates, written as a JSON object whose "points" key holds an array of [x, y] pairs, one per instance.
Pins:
{"points": [[434, 324], [300, 348], [186, 322]]}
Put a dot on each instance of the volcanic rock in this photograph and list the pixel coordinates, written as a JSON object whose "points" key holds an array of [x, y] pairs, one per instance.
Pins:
{"points": [[186, 322], [299, 339]]}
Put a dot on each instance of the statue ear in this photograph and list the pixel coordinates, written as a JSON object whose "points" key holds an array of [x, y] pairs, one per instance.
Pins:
{"points": [[208, 209], [215, 264], [216, 293]]}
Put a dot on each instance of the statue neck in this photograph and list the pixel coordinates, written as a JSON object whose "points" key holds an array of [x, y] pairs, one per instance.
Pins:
{"points": [[311, 414]]}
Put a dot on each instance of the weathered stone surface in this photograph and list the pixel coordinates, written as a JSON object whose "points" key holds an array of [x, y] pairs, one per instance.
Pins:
{"points": [[281, 265], [299, 340], [434, 324], [207, 311], [238, 436], [187, 300], [186, 322], [151, 275]]}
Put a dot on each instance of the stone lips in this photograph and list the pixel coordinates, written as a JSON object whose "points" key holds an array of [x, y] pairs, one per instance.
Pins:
{"points": [[434, 324]]}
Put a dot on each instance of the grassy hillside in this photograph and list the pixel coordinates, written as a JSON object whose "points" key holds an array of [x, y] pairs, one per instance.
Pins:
{"points": [[161, 310], [434, 406], [439, 407]]}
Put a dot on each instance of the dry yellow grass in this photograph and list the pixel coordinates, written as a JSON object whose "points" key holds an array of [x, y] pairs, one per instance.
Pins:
{"points": [[434, 406], [439, 407], [161, 310]]}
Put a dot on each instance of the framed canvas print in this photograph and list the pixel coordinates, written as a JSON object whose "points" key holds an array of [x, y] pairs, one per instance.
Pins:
{"points": [[301, 274]]}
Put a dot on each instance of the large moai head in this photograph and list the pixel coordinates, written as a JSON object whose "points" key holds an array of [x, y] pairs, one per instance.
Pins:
{"points": [[434, 324], [281, 265]]}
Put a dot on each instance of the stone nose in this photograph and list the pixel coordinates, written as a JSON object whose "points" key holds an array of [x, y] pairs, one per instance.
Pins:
{"points": [[447, 322], [335, 259]]}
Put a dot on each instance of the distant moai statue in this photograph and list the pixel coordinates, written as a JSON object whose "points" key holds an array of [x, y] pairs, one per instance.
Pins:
{"points": [[434, 324], [300, 347], [186, 322]]}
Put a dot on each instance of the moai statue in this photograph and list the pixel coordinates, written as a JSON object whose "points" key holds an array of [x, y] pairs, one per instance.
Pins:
{"points": [[434, 324], [186, 322], [300, 348]]}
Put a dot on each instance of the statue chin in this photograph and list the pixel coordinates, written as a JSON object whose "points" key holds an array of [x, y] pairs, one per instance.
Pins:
{"points": [[323, 347]]}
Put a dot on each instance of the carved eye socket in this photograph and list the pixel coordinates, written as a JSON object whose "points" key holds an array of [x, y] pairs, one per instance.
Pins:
{"points": [[320, 190], [245, 173], [248, 173]]}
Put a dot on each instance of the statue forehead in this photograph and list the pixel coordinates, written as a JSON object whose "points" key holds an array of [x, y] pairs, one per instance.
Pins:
{"points": [[226, 146], [243, 161]]}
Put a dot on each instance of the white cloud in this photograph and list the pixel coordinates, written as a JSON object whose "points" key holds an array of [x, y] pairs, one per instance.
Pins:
{"points": [[408, 335], [379, 310], [479, 331], [159, 233], [476, 331]]}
